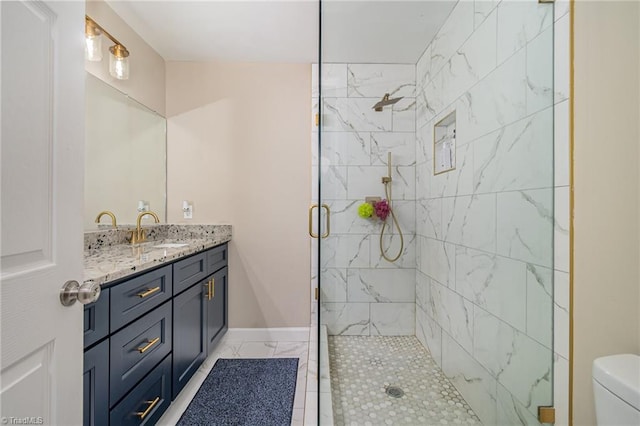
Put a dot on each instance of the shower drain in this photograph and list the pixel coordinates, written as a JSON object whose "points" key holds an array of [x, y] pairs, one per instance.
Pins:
{"points": [[394, 392]]}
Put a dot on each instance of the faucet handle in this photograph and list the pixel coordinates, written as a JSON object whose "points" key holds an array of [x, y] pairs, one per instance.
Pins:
{"points": [[137, 236]]}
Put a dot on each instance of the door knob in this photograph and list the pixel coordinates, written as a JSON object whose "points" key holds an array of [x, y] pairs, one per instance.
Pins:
{"points": [[86, 293]]}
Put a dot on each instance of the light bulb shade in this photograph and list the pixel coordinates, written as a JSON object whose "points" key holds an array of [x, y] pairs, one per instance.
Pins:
{"points": [[93, 41], [119, 62], [93, 48]]}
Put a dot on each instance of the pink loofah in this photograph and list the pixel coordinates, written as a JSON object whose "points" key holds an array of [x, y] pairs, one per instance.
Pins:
{"points": [[382, 209]]}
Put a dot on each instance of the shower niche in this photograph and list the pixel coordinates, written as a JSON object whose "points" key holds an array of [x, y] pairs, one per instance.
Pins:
{"points": [[444, 144]]}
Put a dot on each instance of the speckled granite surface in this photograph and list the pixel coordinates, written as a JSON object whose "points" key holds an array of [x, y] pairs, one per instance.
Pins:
{"points": [[107, 256], [110, 237]]}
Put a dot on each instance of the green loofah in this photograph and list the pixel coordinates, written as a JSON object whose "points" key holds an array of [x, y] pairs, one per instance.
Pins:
{"points": [[365, 210]]}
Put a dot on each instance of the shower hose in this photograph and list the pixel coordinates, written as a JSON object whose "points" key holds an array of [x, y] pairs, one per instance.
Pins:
{"points": [[387, 192]]}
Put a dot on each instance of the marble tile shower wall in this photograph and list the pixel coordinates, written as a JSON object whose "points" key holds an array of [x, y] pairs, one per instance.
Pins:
{"points": [[485, 231], [362, 293]]}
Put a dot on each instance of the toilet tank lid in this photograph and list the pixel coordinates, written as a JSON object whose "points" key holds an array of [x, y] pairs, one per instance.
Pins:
{"points": [[620, 374]]}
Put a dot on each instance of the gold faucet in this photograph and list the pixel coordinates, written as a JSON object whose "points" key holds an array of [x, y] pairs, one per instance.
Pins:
{"points": [[138, 235], [108, 213]]}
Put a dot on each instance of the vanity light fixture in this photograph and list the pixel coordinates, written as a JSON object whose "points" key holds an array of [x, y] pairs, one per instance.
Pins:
{"points": [[118, 54]]}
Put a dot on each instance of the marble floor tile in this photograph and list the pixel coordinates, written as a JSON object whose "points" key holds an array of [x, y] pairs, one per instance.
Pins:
{"points": [[227, 350], [257, 349], [301, 393], [291, 350], [298, 417], [311, 409]]}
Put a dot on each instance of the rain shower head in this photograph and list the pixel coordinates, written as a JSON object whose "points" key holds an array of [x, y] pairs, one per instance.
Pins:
{"points": [[386, 101]]}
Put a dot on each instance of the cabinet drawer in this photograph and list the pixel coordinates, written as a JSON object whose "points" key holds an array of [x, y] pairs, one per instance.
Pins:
{"points": [[217, 258], [96, 319], [188, 272], [146, 403], [95, 386], [135, 297], [137, 348]]}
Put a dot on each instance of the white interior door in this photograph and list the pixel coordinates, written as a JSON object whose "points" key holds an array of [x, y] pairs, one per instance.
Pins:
{"points": [[42, 159]]}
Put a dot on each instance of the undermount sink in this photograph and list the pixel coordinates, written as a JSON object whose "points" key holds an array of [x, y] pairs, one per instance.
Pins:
{"points": [[171, 245]]}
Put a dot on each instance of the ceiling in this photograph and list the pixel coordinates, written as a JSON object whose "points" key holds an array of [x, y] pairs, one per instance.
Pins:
{"points": [[286, 31]]}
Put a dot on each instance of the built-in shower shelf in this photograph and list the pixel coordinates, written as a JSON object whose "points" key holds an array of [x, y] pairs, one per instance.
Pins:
{"points": [[444, 144]]}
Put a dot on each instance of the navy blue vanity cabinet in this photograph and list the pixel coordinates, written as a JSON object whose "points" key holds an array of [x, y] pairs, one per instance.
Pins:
{"points": [[189, 334], [95, 385], [217, 308], [146, 336]]}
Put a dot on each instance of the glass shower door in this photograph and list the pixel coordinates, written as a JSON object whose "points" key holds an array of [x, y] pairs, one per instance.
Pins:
{"points": [[435, 162]]}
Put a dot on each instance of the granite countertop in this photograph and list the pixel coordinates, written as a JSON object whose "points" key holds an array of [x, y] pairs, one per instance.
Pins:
{"points": [[104, 263]]}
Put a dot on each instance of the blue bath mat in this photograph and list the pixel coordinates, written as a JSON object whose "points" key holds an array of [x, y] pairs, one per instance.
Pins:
{"points": [[245, 392]]}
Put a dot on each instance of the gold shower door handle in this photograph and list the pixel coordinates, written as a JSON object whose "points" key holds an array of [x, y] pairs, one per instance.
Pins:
{"points": [[328, 231], [311, 233], [328, 210]]}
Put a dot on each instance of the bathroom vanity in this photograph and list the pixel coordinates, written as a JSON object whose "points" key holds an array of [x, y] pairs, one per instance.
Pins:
{"points": [[152, 326]]}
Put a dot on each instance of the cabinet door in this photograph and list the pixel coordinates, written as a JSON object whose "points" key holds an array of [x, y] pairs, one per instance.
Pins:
{"points": [[95, 378], [217, 308], [189, 344]]}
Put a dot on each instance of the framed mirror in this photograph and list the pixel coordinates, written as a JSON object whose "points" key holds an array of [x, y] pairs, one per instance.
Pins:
{"points": [[125, 157]]}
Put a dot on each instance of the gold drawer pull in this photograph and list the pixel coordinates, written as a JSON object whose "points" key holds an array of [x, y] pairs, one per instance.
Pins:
{"points": [[149, 291], [148, 345], [213, 288], [152, 404], [208, 295]]}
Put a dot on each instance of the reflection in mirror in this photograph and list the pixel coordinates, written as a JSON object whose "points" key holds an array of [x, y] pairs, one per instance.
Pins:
{"points": [[125, 157]]}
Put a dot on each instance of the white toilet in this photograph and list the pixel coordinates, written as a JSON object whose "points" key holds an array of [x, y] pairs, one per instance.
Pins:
{"points": [[616, 385]]}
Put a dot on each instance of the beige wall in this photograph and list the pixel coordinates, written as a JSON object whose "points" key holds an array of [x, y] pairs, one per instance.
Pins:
{"points": [[146, 82], [606, 251], [238, 148]]}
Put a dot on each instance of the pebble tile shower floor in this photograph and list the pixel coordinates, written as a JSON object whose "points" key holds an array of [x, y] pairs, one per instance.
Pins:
{"points": [[363, 367]]}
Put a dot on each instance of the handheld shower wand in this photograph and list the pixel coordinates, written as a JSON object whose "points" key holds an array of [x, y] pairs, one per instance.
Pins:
{"points": [[386, 180]]}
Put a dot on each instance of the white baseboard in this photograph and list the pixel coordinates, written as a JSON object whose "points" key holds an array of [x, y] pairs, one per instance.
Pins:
{"points": [[281, 334]]}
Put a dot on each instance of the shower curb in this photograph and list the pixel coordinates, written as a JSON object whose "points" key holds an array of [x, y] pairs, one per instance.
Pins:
{"points": [[324, 374]]}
